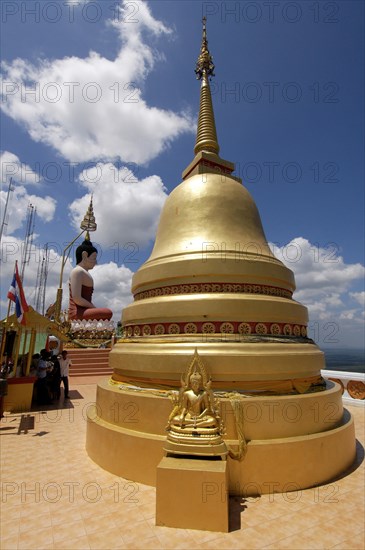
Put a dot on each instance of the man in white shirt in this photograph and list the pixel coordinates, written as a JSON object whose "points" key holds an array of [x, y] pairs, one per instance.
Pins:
{"points": [[65, 364]]}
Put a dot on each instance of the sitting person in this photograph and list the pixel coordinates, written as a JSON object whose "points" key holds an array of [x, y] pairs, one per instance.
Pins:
{"points": [[81, 286]]}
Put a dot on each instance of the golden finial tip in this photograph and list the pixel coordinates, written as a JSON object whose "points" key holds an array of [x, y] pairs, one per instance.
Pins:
{"points": [[89, 223], [204, 65]]}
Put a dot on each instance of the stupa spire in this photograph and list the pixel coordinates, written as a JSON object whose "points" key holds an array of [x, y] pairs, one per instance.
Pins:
{"points": [[207, 159], [206, 139]]}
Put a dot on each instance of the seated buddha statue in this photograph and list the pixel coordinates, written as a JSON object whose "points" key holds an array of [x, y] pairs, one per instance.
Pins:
{"points": [[81, 286], [195, 409], [194, 426]]}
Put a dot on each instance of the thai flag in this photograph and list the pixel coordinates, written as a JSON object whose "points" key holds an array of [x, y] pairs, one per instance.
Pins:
{"points": [[12, 289], [16, 294]]}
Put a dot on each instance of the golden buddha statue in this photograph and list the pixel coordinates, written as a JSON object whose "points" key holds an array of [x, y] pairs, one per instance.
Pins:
{"points": [[195, 426], [195, 407]]}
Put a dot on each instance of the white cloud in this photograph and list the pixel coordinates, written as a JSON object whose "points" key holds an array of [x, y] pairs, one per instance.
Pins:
{"points": [[359, 297], [135, 16], [126, 209], [18, 203], [323, 279], [12, 167], [92, 108], [112, 287], [349, 314], [318, 271]]}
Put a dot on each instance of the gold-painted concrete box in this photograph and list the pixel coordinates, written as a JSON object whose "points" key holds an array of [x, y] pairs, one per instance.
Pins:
{"points": [[192, 494], [20, 392]]}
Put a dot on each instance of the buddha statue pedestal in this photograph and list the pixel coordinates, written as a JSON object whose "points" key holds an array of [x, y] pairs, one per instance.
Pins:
{"points": [[195, 443], [192, 494]]}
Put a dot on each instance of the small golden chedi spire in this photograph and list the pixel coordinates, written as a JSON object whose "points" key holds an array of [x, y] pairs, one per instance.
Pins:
{"points": [[89, 222]]}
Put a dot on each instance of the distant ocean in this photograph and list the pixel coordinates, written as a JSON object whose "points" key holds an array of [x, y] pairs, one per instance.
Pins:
{"points": [[352, 360]]}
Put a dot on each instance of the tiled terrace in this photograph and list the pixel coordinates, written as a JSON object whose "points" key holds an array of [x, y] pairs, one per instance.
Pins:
{"points": [[54, 496]]}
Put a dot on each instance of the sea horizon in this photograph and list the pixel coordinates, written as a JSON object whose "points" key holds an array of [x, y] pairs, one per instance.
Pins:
{"points": [[345, 359]]}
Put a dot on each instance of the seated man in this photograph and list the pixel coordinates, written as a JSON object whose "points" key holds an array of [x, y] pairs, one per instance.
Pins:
{"points": [[82, 286]]}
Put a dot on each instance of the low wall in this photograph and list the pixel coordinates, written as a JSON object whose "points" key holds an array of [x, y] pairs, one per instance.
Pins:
{"points": [[352, 383]]}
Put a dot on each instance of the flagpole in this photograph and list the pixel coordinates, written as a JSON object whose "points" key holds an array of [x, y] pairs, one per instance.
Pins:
{"points": [[8, 312], [57, 312], [24, 348], [16, 294], [10, 301], [31, 350], [3, 338], [21, 306], [17, 347]]}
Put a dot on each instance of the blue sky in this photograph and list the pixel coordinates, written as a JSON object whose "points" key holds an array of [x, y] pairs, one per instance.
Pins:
{"points": [[113, 112]]}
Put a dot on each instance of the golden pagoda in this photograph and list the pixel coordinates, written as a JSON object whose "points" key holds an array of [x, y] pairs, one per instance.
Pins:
{"points": [[213, 287]]}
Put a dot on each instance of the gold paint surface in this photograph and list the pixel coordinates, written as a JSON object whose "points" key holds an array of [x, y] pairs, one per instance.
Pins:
{"points": [[225, 216], [226, 360]]}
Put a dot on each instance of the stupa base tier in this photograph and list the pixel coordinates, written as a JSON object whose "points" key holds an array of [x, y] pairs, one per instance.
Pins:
{"points": [[263, 417], [293, 442], [258, 367]]}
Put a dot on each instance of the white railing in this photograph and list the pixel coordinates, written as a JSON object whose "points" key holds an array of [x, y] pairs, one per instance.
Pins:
{"points": [[353, 384]]}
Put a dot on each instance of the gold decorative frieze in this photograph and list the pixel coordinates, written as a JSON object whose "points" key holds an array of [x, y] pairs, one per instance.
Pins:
{"points": [[215, 327], [174, 328], [202, 288]]}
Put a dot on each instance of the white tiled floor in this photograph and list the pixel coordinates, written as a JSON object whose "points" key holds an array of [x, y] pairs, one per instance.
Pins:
{"points": [[54, 496]]}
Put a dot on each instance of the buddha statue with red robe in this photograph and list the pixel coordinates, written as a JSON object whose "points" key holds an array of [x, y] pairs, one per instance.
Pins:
{"points": [[81, 286]]}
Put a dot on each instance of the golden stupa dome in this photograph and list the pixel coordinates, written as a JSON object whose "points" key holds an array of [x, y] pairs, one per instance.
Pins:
{"points": [[210, 225], [209, 211]]}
